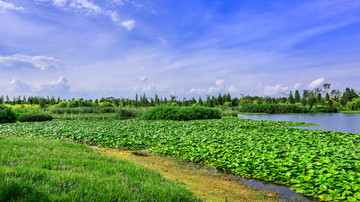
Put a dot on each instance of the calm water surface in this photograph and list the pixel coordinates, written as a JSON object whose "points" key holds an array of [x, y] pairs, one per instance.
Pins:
{"points": [[330, 121]]}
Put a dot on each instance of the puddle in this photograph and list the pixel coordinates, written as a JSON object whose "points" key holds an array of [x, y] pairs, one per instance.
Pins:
{"points": [[284, 192]]}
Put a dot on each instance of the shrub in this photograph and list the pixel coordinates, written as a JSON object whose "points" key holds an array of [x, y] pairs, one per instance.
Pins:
{"points": [[125, 114], [83, 110], [325, 109], [34, 117], [271, 108], [105, 104], [62, 104], [181, 113], [354, 104], [7, 115]]}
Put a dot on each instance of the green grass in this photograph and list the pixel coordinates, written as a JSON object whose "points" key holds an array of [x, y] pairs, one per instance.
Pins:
{"points": [[350, 112], [323, 164], [44, 170]]}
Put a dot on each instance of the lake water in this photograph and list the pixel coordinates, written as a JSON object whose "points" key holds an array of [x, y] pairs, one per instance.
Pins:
{"points": [[330, 121]]}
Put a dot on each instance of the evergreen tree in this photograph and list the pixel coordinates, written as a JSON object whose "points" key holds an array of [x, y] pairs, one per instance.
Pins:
{"points": [[200, 101], [305, 94], [297, 96], [327, 97], [319, 99], [291, 98]]}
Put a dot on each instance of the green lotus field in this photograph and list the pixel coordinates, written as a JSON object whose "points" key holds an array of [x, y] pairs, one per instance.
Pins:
{"points": [[322, 164]]}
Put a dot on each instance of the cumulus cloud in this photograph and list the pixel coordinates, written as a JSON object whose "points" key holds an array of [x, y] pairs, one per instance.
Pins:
{"points": [[271, 90], [19, 86], [232, 89], [10, 6], [146, 89], [297, 85], [40, 62], [129, 24], [143, 79], [316, 83], [213, 89], [58, 87], [219, 82]]}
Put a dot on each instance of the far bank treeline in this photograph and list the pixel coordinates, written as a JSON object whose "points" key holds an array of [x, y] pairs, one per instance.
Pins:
{"points": [[310, 99]]}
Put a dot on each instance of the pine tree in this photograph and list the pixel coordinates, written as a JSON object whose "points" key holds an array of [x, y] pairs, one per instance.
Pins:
{"points": [[297, 96], [291, 98]]}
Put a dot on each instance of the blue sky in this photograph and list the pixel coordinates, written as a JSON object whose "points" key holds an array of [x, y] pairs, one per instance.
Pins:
{"points": [[93, 48]]}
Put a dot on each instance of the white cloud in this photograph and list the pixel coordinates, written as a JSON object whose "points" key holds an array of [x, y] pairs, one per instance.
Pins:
{"points": [[297, 85], [316, 83], [143, 79], [19, 86], [10, 6], [232, 89], [91, 8], [197, 91], [147, 89], [58, 87], [80, 5], [213, 89], [40, 62], [219, 82], [129, 24], [271, 90]]}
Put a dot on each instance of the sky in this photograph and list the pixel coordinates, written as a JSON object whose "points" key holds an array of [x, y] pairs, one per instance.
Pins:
{"points": [[191, 48]]}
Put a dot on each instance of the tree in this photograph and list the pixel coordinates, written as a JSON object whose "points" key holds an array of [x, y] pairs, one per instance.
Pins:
{"points": [[297, 96], [305, 94], [326, 86], [42, 103], [303, 101], [291, 98], [327, 97], [200, 101], [311, 101], [319, 98]]}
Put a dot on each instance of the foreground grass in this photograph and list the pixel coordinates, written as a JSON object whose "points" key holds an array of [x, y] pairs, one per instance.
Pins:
{"points": [[202, 182], [44, 170]]}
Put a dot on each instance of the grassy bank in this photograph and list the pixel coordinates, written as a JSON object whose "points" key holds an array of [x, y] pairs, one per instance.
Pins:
{"points": [[203, 183], [43, 170]]}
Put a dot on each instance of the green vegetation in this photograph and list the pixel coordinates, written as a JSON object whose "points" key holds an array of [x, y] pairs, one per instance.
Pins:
{"points": [[322, 164], [6, 115], [318, 97], [273, 108], [83, 110], [180, 113], [32, 117], [125, 114], [43, 170], [325, 109]]}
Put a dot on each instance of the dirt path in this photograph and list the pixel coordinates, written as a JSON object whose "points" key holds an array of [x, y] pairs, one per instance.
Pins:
{"points": [[206, 185]]}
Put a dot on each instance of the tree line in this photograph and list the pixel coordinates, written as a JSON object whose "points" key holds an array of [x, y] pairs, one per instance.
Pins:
{"points": [[319, 96]]}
